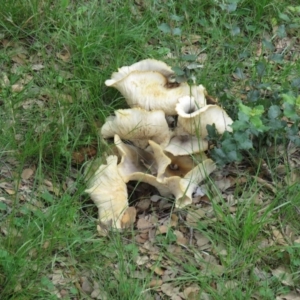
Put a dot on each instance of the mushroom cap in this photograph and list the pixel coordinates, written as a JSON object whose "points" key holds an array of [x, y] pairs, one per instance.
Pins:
{"points": [[146, 85], [194, 118], [139, 165], [109, 192], [183, 188], [181, 165], [186, 144], [143, 65], [139, 126]]}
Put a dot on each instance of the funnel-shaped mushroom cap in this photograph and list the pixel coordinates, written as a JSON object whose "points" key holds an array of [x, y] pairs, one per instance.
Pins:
{"points": [[146, 85], [183, 188], [139, 165], [186, 144], [143, 65], [194, 118], [109, 192], [138, 126]]}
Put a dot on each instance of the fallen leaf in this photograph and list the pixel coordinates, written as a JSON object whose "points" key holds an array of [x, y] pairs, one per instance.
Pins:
{"points": [[283, 275], [174, 220], [277, 236], [141, 260], [17, 88], [202, 241], [86, 285], [181, 240], [194, 216], [289, 296], [169, 289], [155, 283], [192, 292], [64, 55], [27, 173], [155, 198], [143, 225], [143, 205], [37, 67]]}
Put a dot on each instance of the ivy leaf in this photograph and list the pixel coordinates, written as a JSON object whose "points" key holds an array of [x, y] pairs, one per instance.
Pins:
{"points": [[235, 30], [274, 112], [178, 71], [261, 69], [288, 99], [176, 31], [165, 28], [212, 132], [257, 110], [281, 33], [258, 124], [268, 45], [242, 140], [230, 7], [219, 156], [290, 112], [233, 156], [253, 95], [245, 109]]}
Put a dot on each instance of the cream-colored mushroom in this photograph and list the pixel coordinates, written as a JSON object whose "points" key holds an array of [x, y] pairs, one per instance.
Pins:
{"points": [[183, 188], [143, 65], [146, 84], [139, 126], [194, 118], [140, 165], [186, 144], [109, 192]]}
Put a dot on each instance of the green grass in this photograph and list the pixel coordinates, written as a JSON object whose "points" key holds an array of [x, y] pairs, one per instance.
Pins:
{"points": [[62, 105]]}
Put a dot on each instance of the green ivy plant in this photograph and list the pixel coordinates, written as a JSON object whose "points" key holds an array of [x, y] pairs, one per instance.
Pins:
{"points": [[255, 126]]}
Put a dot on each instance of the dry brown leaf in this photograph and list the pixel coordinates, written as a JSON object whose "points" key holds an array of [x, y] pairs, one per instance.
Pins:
{"points": [[192, 292], [191, 39], [225, 183], [193, 217], [128, 217], [64, 55], [27, 173], [86, 285], [83, 154], [297, 240], [169, 289], [155, 283], [17, 88], [139, 239], [159, 271], [37, 67], [143, 205], [289, 296], [278, 237], [161, 229], [202, 241], [143, 225], [284, 275], [141, 260], [4, 81], [181, 240], [155, 198], [19, 59], [174, 220]]}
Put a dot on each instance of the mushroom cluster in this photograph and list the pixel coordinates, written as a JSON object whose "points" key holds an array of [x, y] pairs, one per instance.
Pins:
{"points": [[170, 158]]}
